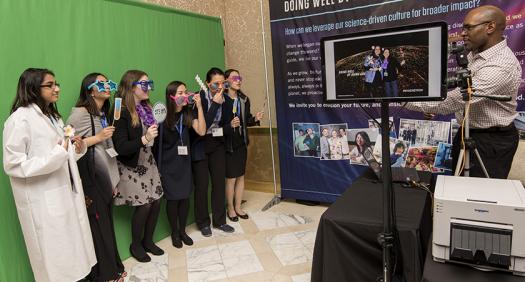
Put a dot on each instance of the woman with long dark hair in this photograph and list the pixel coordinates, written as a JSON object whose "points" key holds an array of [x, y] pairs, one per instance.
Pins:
{"points": [[236, 111], [208, 157], [374, 73], [362, 142], [99, 172], [173, 156], [139, 185], [40, 157], [391, 68]]}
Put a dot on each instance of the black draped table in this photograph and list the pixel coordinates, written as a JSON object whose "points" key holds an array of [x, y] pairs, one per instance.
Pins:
{"points": [[346, 247], [451, 272]]}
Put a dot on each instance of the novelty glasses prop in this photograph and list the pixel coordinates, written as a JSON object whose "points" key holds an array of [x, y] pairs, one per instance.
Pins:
{"points": [[235, 78], [101, 85], [215, 86], [184, 99], [145, 85]]}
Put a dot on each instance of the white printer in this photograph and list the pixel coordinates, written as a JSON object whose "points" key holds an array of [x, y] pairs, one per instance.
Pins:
{"points": [[480, 222]]}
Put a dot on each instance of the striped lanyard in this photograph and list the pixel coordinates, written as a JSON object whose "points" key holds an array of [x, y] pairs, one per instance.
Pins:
{"points": [[103, 120], [219, 112], [180, 129]]}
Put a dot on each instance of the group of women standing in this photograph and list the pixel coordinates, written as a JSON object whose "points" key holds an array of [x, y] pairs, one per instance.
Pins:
{"points": [[65, 181]]}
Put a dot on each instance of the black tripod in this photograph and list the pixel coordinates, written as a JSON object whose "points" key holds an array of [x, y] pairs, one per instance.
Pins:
{"points": [[387, 237]]}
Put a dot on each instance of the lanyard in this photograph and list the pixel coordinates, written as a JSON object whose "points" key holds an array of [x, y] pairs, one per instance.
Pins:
{"points": [[208, 98], [103, 121], [52, 120], [180, 129], [219, 112], [55, 124]]}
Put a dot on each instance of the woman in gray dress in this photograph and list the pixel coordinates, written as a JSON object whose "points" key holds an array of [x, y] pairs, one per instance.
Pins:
{"points": [[99, 172], [139, 184]]}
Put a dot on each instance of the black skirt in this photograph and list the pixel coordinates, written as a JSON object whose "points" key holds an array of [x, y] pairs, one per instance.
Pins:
{"points": [[236, 162]]}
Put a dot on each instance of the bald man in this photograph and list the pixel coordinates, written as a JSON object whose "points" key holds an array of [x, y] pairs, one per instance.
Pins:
{"points": [[495, 71]]}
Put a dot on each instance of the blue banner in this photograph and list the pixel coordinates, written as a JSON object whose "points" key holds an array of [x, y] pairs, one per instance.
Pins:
{"points": [[320, 144]]}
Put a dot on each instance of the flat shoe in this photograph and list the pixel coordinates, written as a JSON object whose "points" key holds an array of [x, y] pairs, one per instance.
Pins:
{"points": [[186, 239], [176, 241], [234, 219], [154, 249], [141, 256]]}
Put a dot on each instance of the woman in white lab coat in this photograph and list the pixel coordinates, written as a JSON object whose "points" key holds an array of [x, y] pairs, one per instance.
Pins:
{"points": [[41, 165]]}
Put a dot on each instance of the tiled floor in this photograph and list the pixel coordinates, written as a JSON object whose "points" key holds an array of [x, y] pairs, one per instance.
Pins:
{"points": [[275, 245]]}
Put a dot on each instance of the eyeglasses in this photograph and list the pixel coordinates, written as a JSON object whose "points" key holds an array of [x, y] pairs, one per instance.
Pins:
{"points": [[215, 86], [145, 85], [101, 85], [51, 85], [469, 27], [236, 78]]}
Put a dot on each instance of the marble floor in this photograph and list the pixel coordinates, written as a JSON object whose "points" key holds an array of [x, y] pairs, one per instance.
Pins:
{"points": [[275, 245]]}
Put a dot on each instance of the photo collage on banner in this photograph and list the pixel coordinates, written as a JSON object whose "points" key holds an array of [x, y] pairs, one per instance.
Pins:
{"points": [[424, 137], [421, 144], [306, 140], [360, 140], [334, 142]]}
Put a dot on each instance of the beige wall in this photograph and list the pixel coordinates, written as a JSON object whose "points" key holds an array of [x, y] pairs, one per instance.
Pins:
{"points": [[243, 42]]}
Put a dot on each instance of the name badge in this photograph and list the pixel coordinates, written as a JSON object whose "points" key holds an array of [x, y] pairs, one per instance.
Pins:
{"points": [[385, 73], [111, 152], [217, 132], [183, 150]]}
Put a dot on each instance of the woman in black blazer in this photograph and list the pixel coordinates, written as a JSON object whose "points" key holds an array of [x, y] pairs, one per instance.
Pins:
{"points": [[237, 117], [139, 184], [208, 157]]}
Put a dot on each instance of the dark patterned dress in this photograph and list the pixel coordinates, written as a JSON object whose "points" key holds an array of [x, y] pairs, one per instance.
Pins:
{"points": [[140, 185]]}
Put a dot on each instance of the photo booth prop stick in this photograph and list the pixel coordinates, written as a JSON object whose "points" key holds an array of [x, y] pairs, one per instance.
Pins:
{"points": [[116, 112], [201, 84], [69, 132], [159, 112]]}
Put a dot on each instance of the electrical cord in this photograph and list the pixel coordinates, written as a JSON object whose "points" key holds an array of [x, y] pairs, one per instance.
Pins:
{"points": [[424, 187], [467, 111]]}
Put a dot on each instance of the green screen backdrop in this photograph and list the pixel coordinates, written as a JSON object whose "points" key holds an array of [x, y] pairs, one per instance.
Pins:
{"points": [[74, 38]]}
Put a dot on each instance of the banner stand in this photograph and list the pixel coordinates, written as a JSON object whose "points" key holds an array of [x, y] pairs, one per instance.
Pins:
{"points": [[276, 197]]}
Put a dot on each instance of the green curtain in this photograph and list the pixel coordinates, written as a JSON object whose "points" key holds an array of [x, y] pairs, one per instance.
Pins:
{"points": [[74, 38]]}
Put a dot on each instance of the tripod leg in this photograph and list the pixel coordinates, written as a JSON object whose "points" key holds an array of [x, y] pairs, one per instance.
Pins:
{"points": [[481, 163], [460, 162]]}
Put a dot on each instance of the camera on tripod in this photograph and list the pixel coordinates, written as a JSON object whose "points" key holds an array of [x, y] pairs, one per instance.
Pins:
{"points": [[462, 76]]}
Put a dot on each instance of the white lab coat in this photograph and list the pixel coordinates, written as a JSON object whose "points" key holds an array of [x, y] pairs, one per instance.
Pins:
{"points": [[52, 211]]}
